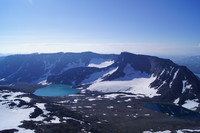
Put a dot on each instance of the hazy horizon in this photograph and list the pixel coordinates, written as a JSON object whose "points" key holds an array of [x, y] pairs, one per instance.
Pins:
{"points": [[171, 56], [151, 27]]}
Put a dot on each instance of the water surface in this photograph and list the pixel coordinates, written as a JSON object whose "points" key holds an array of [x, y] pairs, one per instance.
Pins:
{"points": [[56, 90], [173, 110]]}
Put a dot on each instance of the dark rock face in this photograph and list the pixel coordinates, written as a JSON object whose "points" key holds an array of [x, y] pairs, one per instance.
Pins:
{"points": [[173, 84], [138, 62], [9, 131], [36, 113]]}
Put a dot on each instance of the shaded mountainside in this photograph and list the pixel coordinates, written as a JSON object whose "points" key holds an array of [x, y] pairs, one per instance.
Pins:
{"points": [[143, 75], [37, 67]]}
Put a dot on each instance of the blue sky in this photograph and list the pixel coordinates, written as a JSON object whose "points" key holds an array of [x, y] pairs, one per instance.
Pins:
{"points": [[156, 27]]}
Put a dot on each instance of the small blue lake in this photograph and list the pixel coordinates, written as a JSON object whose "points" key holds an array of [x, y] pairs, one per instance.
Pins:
{"points": [[56, 90]]}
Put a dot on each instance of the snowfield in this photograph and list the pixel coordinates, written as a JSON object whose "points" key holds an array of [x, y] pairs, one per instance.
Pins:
{"points": [[136, 86], [133, 82], [16, 107], [11, 117]]}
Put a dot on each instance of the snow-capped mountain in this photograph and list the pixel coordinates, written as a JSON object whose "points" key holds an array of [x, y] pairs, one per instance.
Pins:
{"points": [[113, 87], [145, 76]]}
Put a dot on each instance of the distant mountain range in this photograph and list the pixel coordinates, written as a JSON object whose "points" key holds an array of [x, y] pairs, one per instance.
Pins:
{"points": [[192, 62], [37, 67], [1, 58], [142, 75]]}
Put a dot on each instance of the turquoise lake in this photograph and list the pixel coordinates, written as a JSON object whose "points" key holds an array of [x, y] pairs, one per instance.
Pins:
{"points": [[56, 90]]}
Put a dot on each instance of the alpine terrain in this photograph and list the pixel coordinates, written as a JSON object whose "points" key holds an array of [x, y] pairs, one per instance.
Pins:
{"points": [[121, 91]]}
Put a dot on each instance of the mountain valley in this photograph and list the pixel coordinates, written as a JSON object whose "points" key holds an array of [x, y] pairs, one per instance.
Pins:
{"points": [[114, 93]]}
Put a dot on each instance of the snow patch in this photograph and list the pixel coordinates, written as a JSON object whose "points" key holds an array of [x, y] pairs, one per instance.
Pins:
{"points": [[26, 99], [175, 74], [186, 86], [188, 130], [44, 82], [88, 107], [191, 104], [164, 82], [162, 72], [176, 101], [128, 100], [91, 99], [70, 118], [3, 79], [100, 63], [109, 107], [55, 120]]}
